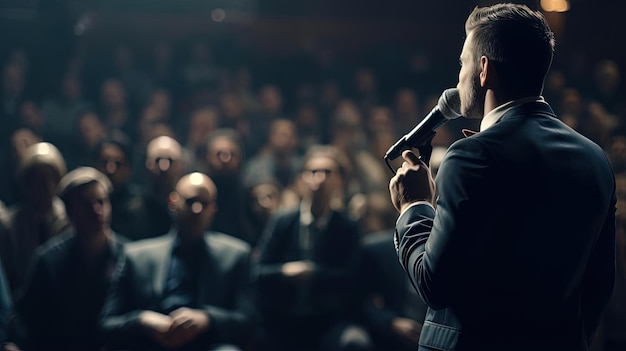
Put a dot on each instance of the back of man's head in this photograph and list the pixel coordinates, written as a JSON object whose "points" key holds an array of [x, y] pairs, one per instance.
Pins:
{"points": [[518, 41]]}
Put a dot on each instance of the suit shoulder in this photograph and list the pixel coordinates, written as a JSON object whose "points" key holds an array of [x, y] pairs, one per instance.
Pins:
{"points": [[146, 245], [223, 241], [56, 246]]}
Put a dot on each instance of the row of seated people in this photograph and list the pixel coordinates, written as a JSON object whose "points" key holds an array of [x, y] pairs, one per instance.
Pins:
{"points": [[311, 282]]}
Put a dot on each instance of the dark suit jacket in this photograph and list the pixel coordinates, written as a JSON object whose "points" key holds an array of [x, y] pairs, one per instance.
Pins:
{"points": [[521, 252], [336, 252], [224, 292], [60, 303]]}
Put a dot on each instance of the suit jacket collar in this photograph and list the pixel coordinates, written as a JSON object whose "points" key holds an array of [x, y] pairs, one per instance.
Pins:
{"points": [[496, 115], [208, 267]]}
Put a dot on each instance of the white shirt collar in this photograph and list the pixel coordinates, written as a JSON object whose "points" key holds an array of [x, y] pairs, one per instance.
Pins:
{"points": [[492, 117]]}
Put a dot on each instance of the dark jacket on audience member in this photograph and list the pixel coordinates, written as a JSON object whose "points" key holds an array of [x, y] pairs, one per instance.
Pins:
{"points": [[221, 288], [60, 304]]}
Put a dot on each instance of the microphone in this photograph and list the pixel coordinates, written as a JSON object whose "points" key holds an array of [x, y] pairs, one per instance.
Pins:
{"points": [[447, 108]]}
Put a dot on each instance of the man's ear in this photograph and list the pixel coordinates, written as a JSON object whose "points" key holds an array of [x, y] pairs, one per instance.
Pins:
{"points": [[172, 200], [488, 74]]}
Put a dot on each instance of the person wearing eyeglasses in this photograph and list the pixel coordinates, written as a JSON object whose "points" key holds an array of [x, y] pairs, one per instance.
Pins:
{"points": [[187, 290], [133, 214], [224, 162], [305, 273]]}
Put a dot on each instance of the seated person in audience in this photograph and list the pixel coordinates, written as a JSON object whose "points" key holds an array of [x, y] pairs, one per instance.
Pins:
{"points": [[188, 290], [393, 310], [131, 214], [38, 216], [60, 304], [224, 161], [307, 263]]}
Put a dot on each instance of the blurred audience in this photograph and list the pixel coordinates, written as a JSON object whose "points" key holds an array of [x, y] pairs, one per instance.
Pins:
{"points": [[60, 304], [144, 115], [307, 266]]}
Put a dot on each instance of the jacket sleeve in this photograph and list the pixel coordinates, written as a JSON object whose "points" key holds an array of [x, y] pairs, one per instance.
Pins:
{"points": [[599, 278], [433, 247], [237, 324], [119, 323]]}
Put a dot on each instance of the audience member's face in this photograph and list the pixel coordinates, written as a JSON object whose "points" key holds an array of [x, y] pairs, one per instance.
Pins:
{"points": [[365, 81], [224, 156], [113, 94], [162, 101], [283, 137], [270, 100], [71, 88], [90, 209], [21, 140], [571, 102], [231, 107], [307, 118], [13, 80], [91, 129], [321, 176], [39, 184], [201, 124], [165, 170], [264, 200], [406, 103], [113, 163], [194, 203], [380, 120], [31, 115]]}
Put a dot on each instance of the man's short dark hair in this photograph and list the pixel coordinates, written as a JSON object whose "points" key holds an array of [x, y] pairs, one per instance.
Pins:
{"points": [[118, 139], [517, 40], [78, 179], [331, 152]]}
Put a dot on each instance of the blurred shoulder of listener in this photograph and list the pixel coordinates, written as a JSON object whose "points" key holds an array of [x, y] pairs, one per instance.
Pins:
{"points": [[39, 215]]}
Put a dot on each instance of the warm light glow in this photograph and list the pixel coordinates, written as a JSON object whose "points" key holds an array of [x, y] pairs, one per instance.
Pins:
{"points": [[196, 178], [555, 5]]}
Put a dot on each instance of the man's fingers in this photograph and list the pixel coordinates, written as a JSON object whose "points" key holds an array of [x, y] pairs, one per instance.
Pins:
{"points": [[411, 158]]}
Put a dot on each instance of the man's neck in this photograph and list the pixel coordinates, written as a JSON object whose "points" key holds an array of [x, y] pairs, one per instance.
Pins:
{"points": [[188, 236], [319, 207]]}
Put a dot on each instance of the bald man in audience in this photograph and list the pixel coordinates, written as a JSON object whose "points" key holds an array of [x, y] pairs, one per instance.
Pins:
{"points": [[188, 290], [164, 165]]}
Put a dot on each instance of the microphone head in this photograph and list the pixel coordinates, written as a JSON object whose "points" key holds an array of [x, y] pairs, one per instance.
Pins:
{"points": [[450, 103]]}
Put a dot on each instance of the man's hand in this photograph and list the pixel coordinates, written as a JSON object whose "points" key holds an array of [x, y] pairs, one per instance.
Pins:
{"points": [[10, 347], [298, 269], [154, 322], [408, 329], [188, 323], [412, 183]]}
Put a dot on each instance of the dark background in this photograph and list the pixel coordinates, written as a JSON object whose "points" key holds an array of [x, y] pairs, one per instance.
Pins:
{"points": [[274, 35]]}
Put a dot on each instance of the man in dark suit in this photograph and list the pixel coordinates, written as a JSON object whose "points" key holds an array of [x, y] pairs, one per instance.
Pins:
{"points": [[187, 290], [518, 253], [306, 272], [59, 305]]}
